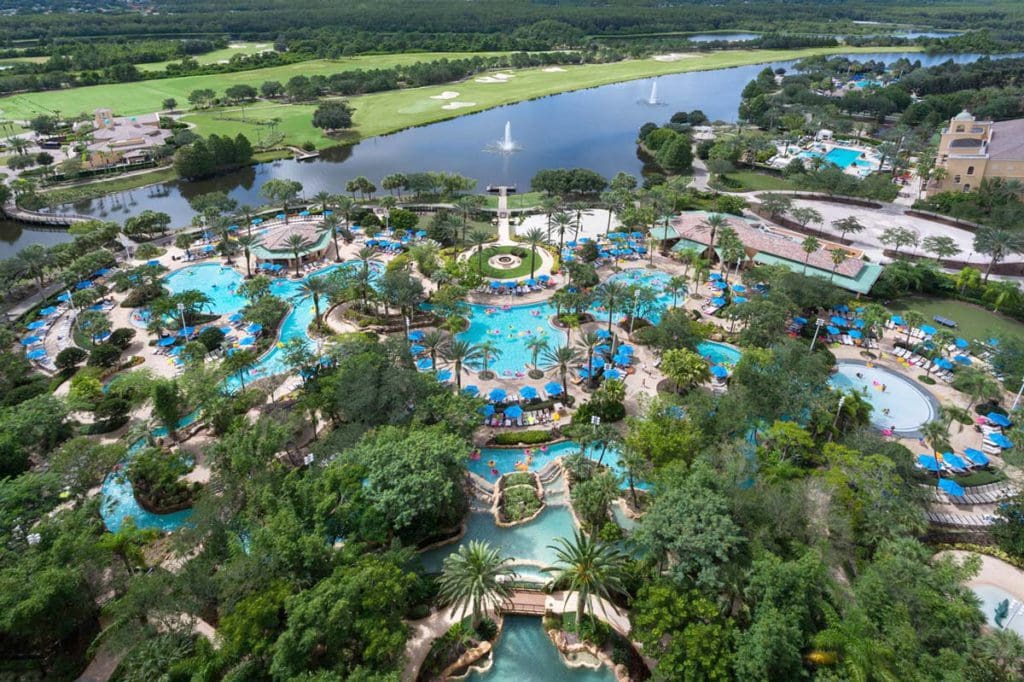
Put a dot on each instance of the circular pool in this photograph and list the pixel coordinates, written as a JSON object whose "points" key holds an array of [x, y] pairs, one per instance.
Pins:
{"points": [[902, 406]]}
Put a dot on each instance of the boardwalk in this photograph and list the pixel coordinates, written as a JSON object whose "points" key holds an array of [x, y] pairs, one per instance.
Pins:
{"points": [[23, 215]]}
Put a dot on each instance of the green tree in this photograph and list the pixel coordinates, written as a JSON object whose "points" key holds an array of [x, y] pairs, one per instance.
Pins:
{"points": [[534, 237], [589, 568], [561, 359], [296, 244], [461, 355], [280, 191], [476, 579], [809, 245], [847, 225], [685, 368], [332, 115], [315, 288]]}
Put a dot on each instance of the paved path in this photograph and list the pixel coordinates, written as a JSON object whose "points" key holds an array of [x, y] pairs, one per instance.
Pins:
{"points": [[994, 572], [504, 230]]}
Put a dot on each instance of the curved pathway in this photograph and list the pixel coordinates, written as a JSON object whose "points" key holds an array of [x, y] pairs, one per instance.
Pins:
{"points": [[993, 572]]}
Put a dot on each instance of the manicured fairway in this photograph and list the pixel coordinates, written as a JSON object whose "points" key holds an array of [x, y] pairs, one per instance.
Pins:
{"points": [[215, 56], [973, 322]]}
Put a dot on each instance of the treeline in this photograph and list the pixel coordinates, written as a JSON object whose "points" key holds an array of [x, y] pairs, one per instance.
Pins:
{"points": [[569, 181], [213, 155]]}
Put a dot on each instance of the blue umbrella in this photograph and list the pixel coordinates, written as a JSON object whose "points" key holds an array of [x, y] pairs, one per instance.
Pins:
{"points": [[976, 456], [951, 487], [602, 349], [719, 371], [416, 335], [444, 376], [280, 216], [83, 285], [583, 372], [416, 349], [858, 323], [612, 374], [738, 288], [166, 341], [424, 364], [626, 348], [838, 321], [855, 334], [954, 461], [843, 308], [102, 272], [927, 329], [1000, 440], [929, 462], [495, 284], [269, 267], [153, 262], [622, 359], [832, 330], [603, 333], [514, 412], [718, 301], [46, 312], [553, 388], [597, 362], [531, 282], [176, 351], [962, 343], [471, 390], [65, 297], [36, 354], [739, 299], [719, 284], [486, 410], [248, 341], [963, 359], [304, 213], [944, 363], [800, 320], [544, 278], [186, 331], [226, 330], [993, 342], [38, 324], [716, 275], [527, 393], [257, 221], [998, 419], [896, 319], [497, 395], [237, 317], [254, 328], [29, 340]]}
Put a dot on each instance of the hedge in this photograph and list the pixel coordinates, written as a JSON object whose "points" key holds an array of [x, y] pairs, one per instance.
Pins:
{"points": [[523, 437]]}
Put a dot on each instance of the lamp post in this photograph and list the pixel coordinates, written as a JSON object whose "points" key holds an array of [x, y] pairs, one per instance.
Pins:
{"points": [[632, 317], [818, 324], [181, 314], [1016, 398]]}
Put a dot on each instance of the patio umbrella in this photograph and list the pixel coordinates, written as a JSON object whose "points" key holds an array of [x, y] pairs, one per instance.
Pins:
{"points": [[951, 487], [927, 329], [855, 334], [718, 301], [226, 330], [29, 340], [269, 267], [597, 362], [83, 285], [424, 364], [602, 349], [583, 372], [832, 330], [719, 284], [993, 342], [36, 354], [858, 323], [929, 462], [248, 341], [153, 262], [1000, 440], [800, 320], [416, 335], [954, 461], [166, 341], [497, 395], [715, 276], [471, 390], [304, 213], [416, 349], [553, 388], [544, 278], [38, 324], [237, 317], [962, 343], [976, 456], [186, 331], [896, 319], [571, 245], [444, 376], [998, 419], [738, 288], [514, 412], [719, 371], [280, 216], [963, 360], [626, 348], [838, 321], [739, 299], [612, 374], [943, 363], [531, 282], [254, 328], [486, 410], [622, 359], [46, 312], [64, 298], [232, 228], [603, 333], [257, 221], [495, 284], [176, 351], [843, 308], [527, 393]]}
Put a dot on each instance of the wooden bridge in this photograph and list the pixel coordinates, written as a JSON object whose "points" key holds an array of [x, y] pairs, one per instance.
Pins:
{"points": [[525, 603], [23, 215]]}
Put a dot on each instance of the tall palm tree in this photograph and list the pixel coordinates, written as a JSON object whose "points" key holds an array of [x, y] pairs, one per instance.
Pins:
{"points": [[35, 259], [296, 242], [611, 295], [562, 221], [246, 242], [331, 224], [997, 243], [461, 354], [587, 344], [550, 205], [936, 433], [476, 579], [536, 345], [676, 285], [976, 383], [467, 204], [345, 206], [315, 287], [561, 358], [245, 214], [534, 237], [488, 351], [854, 639], [913, 319], [810, 244], [434, 342], [478, 238], [838, 256], [714, 222], [588, 567], [325, 199]]}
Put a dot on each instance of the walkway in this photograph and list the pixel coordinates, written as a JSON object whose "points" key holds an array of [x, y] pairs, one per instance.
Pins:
{"points": [[504, 230], [993, 572]]}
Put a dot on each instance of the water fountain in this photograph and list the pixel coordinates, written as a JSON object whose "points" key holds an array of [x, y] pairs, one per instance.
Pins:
{"points": [[653, 98], [506, 145]]}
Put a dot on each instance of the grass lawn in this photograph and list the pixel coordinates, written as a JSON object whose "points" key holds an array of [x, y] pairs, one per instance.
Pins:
{"points": [[521, 270], [974, 322], [24, 60], [752, 181], [515, 201], [216, 56], [97, 189]]}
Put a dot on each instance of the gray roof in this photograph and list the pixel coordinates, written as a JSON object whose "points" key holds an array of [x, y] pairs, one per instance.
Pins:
{"points": [[1007, 141]]}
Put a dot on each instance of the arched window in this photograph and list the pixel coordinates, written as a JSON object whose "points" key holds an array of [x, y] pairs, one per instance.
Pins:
{"points": [[956, 179], [970, 170]]}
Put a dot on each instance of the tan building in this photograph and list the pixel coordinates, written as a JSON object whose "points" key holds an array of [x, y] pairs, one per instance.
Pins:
{"points": [[121, 139], [971, 150]]}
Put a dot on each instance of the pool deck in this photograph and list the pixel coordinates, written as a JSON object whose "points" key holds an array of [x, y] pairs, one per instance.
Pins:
{"points": [[993, 572]]}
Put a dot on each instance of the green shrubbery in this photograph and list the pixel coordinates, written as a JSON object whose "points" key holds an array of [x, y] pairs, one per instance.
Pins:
{"points": [[523, 437]]}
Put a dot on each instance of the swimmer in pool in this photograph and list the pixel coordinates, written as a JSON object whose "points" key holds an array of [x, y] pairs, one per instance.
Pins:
{"points": [[886, 412], [859, 375]]}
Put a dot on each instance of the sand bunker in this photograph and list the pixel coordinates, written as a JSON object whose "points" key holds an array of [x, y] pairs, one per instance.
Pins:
{"points": [[554, 69], [458, 105], [447, 94], [496, 78], [673, 57]]}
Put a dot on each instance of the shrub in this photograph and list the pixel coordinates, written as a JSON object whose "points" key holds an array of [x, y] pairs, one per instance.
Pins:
{"points": [[487, 629], [523, 437], [141, 295], [211, 338], [610, 533], [146, 251], [121, 337], [70, 357], [925, 379], [104, 355], [519, 502], [518, 478], [608, 411]]}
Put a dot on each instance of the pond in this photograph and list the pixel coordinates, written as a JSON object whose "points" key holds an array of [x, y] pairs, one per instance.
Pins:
{"points": [[524, 652], [593, 128]]}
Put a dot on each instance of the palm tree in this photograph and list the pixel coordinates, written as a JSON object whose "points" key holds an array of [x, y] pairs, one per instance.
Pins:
{"points": [[677, 285], [561, 358], [534, 237], [246, 242], [997, 243], [611, 295], [854, 639], [461, 354], [315, 287], [976, 383], [838, 256], [296, 242], [478, 238], [587, 344], [549, 205], [847, 225], [331, 224], [476, 579], [589, 568], [809, 245], [536, 345], [488, 350], [245, 214], [562, 221], [467, 204], [239, 362], [345, 206], [34, 259], [434, 342], [325, 199], [714, 222], [913, 319], [936, 433]]}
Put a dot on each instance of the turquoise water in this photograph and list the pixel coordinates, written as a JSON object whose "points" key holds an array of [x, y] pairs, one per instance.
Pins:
{"points": [[505, 460], [656, 280], [524, 652], [525, 542], [216, 281], [719, 353], [990, 596], [909, 406], [842, 157], [510, 330]]}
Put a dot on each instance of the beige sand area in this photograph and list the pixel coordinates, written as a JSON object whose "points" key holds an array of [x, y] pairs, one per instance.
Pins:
{"points": [[458, 105], [674, 57], [496, 78], [554, 69], [447, 94]]}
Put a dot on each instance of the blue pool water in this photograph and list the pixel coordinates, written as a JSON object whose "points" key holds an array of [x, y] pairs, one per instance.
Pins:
{"points": [[216, 281], [524, 652], [719, 353], [908, 405], [842, 157], [505, 460], [990, 596], [510, 330]]}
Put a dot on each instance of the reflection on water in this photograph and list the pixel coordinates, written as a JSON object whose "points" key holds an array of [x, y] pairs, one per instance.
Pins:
{"points": [[16, 236]]}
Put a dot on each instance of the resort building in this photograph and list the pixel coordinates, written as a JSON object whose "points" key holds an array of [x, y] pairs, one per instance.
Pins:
{"points": [[123, 140], [971, 150], [773, 245], [276, 248]]}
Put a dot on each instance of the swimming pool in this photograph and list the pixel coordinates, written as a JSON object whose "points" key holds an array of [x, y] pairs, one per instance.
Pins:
{"points": [[218, 282], [505, 460], [655, 280], [990, 597], [524, 652], [719, 353], [842, 157], [902, 406], [510, 329]]}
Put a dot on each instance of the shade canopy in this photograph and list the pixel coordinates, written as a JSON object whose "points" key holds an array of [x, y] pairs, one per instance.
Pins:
{"points": [[602, 333], [897, 319], [166, 341], [963, 359], [248, 341], [855, 334], [416, 335], [553, 388], [471, 390], [497, 395], [1000, 440], [36, 354], [46, 312], [927, 329], [527, 393], [186, 331], [738, 288], [83, 285], [943, 363], [416, 349], [976, 456], [951, 487], [38, 324], [718, 301], [929, 462], [486, 410], [832, 330], [838, 321], [237, 317], [954, 461], [514, 412], [29, 340], [800, 320], [961, 343], [739, 299], [424, 364], [998, 419], [65, 297], [445, 375], [612, 374], [254, 328]]}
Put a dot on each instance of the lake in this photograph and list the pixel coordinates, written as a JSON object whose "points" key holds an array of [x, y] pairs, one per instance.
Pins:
{"points": [[593, 128]]}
